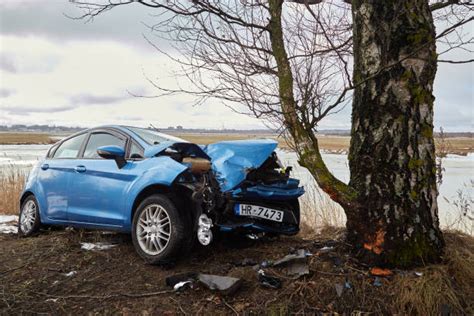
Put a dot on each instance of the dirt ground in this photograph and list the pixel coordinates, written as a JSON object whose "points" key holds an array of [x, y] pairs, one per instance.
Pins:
{"points": [[36, 276]]}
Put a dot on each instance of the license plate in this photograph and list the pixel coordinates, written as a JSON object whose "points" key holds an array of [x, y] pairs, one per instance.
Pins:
{"points": [[259, 211]]}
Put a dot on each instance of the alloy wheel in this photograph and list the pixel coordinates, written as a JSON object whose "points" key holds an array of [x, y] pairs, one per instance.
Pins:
{"points": [[153, 229], [28, 217]]}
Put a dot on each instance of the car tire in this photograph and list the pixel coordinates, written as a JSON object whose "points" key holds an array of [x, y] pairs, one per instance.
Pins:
{"points": [[29, 222], [159, 231]]}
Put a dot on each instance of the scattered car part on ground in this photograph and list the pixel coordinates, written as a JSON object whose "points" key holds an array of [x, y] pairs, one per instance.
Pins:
{"points": [[297, 269], [224, 284], [268, 281], [163, 190], [180, 278], [299, 255]]}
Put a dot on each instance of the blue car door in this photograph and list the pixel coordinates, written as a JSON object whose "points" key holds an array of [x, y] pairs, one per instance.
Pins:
{"points": [[54, 178], [99, 186]]}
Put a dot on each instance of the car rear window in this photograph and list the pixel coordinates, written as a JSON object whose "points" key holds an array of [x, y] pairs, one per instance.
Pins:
{"points": [[70, 148]]}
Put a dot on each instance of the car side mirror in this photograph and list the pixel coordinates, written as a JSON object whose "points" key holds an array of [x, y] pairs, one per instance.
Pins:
{"points": [[113, 152]]}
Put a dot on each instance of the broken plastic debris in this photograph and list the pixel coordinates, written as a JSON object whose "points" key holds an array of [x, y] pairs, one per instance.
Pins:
{"points": [[297, 269], [268, 281], [381, 272], [226, 285], [96, 246], [173, 280], [348, 285], [181, 285], [70, 274], [300, 256], [418, 274]]}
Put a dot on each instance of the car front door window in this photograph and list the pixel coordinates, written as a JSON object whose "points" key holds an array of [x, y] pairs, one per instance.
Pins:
{"points": [[97, 140]]}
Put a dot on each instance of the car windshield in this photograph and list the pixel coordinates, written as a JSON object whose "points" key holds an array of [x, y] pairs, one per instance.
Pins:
{"points": [[153, 137]]}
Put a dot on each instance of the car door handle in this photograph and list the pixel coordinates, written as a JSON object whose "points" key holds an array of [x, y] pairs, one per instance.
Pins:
{"points": [[80, 169], [45, 166]]}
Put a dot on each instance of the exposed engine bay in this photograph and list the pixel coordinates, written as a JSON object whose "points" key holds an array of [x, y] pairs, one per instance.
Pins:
{"points": [[262, 199]]}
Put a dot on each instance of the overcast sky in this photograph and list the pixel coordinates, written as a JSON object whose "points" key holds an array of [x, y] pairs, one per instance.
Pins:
{"points": [[54, 70]]}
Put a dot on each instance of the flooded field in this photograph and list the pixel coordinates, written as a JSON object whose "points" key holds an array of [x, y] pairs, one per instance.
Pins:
{"points": [[458, 174]]}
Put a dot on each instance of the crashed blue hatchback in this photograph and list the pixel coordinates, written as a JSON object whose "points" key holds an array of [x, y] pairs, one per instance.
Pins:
{"points": [[165, 191]]}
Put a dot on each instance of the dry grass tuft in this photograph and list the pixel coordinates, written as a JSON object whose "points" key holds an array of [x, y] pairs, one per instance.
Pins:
{"points": [[443, 288], [318, 211], [12, 181]]}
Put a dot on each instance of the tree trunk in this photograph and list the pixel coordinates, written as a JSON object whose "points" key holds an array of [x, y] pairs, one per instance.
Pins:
{"points": [[392, 152]]}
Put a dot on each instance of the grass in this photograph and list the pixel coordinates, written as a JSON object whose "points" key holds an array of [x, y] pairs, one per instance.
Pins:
{"points": [[443, 288], [24, 138], [12, 181]]}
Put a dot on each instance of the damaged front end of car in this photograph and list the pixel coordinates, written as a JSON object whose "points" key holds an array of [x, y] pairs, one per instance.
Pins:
{"points": [[236, 186]]}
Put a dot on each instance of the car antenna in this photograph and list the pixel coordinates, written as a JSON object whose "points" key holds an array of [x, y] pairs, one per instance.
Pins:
{"points": [[153, 127], [156, 130]]}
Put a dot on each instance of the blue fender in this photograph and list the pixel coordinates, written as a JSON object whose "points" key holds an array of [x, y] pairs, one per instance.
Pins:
{"points": [[232, 160], [32, 186], [162, 171]]}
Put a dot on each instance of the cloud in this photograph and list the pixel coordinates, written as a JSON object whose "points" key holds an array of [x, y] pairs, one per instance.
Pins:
{"points": [[7, 64], [5, 93], [87, 99], [27, 110], [27, 62], [52, 20]]}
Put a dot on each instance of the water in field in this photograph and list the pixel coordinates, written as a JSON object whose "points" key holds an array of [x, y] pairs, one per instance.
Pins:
{"points": [[458, 174]]}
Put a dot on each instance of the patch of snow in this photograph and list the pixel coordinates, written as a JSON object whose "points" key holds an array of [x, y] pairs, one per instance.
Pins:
{"points": [[96, 246], [8, 224], [8, 218]]}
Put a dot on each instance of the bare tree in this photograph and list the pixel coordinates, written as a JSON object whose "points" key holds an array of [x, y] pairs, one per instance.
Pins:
{"points": [[291, 64]]}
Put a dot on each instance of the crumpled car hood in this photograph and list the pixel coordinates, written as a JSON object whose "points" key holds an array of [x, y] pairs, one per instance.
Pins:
{"points": [[231, 160]]}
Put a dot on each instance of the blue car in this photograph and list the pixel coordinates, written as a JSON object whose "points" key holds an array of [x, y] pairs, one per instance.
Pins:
{"points": [[165, 191]]}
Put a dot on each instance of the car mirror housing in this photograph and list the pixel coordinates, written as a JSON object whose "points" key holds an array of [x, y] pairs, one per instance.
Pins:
{"points": [[113, 152]]}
